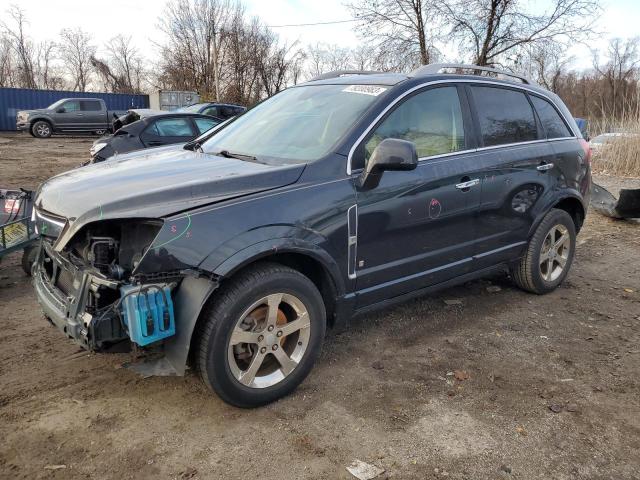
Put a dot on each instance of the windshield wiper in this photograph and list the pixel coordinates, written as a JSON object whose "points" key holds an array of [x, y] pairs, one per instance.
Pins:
{"points": [[193, 146], [239, 156]]}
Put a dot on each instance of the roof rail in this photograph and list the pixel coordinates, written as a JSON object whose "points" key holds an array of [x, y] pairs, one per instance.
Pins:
{"points": [[342, 73], [435, 68]]}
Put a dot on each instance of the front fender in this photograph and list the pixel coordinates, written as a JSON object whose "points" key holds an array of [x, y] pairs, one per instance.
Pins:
{"points": [[226, 265], [41, 117]]}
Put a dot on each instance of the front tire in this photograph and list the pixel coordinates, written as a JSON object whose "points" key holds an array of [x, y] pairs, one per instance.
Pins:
{"points": [[549, 254], [261, 335], [29, 255], [41, 129]]}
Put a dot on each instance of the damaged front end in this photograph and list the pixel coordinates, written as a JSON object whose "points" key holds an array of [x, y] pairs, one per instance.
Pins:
{"points": [[90, 291]]}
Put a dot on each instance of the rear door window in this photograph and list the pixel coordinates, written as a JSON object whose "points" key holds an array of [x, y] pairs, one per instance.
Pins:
{"points": [[213, 111], [205, 124], [90, 106], [551, 121], [431, 119], [171, 127], [505, 116]]}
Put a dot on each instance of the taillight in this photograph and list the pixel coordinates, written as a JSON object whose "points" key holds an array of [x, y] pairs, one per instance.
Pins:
{"points": [[587, 151]]}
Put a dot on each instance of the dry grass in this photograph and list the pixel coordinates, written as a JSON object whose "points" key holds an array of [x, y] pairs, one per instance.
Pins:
{"points": [[621, 156]]}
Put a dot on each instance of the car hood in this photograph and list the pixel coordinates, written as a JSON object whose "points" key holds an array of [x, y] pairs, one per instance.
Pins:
{"points": [[153, 185], [32, 112]]}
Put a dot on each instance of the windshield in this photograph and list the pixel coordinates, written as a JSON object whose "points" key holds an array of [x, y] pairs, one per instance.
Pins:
{"points": [[195, 108], [298, 125], [55, 105]]}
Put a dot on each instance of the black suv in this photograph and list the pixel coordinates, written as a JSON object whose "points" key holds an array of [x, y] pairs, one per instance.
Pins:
{"points": [[332, 198]]}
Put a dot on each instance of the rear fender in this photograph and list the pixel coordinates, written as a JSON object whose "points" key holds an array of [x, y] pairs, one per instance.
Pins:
{"points": [[546, 203]]}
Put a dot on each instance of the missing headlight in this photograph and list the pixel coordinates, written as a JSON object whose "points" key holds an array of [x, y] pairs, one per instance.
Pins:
{"points": [[114, 247]]}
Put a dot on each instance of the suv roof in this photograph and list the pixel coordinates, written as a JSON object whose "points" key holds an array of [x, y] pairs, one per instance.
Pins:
{"points": [[434, 71]]}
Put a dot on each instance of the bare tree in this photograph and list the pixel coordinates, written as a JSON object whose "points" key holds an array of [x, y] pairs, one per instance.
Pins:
{"points": [[409, 28], [21, 45], [122, 71], [6, 62], [620, 76], [76, 52], [47, 73], [493, 30], [323, 58], [213, 48], [277, 64]]}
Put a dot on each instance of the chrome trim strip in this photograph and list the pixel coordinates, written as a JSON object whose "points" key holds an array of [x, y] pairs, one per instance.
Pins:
{"points": [[461, 80], [437, 269], [49, 219], [352, 241], [498, 250], [397, 281]]}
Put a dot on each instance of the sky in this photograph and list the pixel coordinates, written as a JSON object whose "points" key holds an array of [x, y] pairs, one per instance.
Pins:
{"points": [[139, 18]]}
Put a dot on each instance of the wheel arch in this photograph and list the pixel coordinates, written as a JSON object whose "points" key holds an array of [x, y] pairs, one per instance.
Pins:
{"points": [[308, 259], [572, 204], [574, 207], [32, 122]]}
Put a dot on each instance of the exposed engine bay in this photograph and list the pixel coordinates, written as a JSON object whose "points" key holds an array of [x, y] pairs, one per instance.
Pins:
{"points": [[102, 304]]}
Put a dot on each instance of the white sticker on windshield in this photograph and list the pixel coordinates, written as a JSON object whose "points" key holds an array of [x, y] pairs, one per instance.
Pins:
{"points": [[373, 90]]}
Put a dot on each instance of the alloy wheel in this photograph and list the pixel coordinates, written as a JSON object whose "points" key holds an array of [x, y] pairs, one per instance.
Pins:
{"points": [[42, 130], [269, 340], [555, 252]]}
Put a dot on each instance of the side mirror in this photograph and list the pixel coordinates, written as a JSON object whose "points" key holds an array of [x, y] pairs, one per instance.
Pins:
{"points": [[61, 110], [390, 154]]}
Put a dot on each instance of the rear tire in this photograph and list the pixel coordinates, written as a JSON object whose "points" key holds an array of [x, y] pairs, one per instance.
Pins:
{"points": [[549, 254], [261, 335], [41, 129]]}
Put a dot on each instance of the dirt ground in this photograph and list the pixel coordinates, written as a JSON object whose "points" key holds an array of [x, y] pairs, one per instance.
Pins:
{"points": [[505, 385]]}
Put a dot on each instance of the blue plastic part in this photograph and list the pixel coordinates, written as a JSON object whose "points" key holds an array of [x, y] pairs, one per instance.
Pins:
{"points": [[147, 313]]}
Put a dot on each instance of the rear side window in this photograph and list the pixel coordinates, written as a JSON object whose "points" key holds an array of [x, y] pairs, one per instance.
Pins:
{"points": [[205, 124], [431, 119], [71, 106], [505, 116], [213, 111], [552, 123], [90, 106], [171, 127], [227, 112]]}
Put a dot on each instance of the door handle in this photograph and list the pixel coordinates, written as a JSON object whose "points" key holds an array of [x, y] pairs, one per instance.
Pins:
{"points": [[79, 114], [544, 167], [468, 184]]}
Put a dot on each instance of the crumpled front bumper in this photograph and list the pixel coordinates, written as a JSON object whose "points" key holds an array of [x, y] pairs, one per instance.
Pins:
{"points": [[63, 291]]}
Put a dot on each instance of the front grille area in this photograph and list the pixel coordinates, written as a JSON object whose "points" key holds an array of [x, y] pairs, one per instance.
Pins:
{"points": [[65, 282]]}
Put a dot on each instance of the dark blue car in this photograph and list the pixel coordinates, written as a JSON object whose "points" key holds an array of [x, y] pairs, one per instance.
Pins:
{"points": [[219, 110]]}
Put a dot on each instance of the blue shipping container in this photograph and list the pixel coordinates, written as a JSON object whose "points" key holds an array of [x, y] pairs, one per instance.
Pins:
{"points": [[14, 99]]}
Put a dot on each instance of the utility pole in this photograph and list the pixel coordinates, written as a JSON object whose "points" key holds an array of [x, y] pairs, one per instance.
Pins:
{"points": [[215, 65]]}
